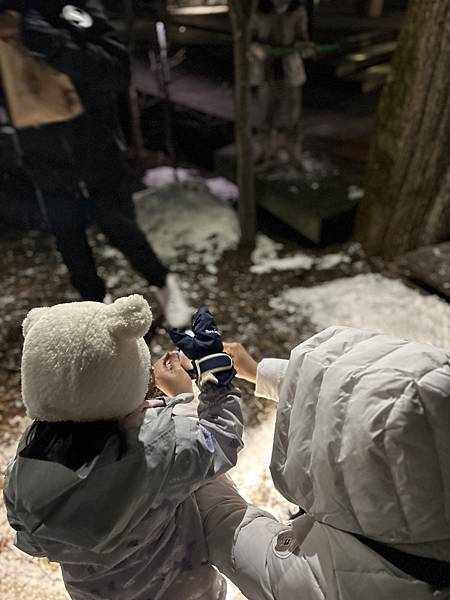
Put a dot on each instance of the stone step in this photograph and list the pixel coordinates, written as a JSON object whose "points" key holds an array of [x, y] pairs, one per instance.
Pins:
{"points": [[429, 266], [318, 208]]}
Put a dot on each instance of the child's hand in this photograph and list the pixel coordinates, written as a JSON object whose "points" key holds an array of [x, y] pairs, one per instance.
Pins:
{"points": [[203, 347], [186, 363], [243, 363], [170, 377]]}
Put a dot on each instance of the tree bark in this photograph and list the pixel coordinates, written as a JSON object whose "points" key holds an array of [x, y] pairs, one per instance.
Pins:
{"points": [[241, 12], [407, 192]]}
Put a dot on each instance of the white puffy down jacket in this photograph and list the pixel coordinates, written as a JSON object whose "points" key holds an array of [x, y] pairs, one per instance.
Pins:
{"points": [[362, 443]]}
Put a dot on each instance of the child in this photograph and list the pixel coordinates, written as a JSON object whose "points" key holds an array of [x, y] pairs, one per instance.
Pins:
{"points": [[362, 445], [103, 482]]}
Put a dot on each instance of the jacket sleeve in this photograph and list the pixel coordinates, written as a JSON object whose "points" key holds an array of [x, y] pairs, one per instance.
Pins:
{"points": [[23, 541], [94, 65], [26, 543], [269, 377], [207, 446], [92, 58]]}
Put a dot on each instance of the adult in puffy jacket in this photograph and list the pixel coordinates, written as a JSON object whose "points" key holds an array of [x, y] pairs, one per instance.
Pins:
{"points": [[62, 69], [362, 445]]}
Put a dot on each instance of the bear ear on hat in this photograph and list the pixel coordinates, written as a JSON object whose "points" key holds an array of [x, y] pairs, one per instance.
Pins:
{"points": [[32, 318], [129, 317]]}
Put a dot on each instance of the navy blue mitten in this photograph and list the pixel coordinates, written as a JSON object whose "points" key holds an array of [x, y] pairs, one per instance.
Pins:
{"points": [[205, 349]]}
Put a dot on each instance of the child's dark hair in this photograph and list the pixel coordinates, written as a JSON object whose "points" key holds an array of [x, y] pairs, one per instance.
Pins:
{"points": [[72, 444]]}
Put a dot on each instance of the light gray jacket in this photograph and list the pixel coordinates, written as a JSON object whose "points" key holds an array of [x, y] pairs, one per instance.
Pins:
{"points": [[362, 443], [129, 529]]}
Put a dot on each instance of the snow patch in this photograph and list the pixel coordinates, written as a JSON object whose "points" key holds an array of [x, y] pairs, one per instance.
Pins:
{"points": [[222, 188], [373, 302], [288, 263], [266, 249], [162, 177], [265, 259], [329, 261], [178, 219]]}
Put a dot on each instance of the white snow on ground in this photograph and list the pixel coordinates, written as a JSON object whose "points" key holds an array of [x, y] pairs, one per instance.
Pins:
{"points": [[373, 302], [162, 177], [187, 218], [329, 261], [181, 209], [168, 222], [266, 249], [189, 199], [288, 263], [295, 262], [265, 258], [222, 188]]}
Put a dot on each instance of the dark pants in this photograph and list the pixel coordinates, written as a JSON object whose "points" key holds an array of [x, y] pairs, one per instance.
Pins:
{"points": [[111, 207]]}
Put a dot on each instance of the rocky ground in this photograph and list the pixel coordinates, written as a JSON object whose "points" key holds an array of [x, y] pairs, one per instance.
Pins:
{"points": [[270, 301]]}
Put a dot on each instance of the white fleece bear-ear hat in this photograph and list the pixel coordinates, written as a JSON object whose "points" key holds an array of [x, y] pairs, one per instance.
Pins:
{"points": [[86, 361]]}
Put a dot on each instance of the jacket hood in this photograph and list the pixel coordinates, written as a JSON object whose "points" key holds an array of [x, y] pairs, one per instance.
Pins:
{"points": [[362, 437], [61, 509]]}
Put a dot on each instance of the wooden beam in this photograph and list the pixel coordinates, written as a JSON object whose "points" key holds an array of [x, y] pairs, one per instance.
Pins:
{"points": [[375, 8]]}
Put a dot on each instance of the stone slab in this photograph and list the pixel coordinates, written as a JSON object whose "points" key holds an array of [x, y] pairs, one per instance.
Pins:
{"points": [[429, 266], [318, 206]]}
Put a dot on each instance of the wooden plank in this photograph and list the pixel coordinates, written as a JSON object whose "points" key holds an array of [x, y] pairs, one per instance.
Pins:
{"points": [[364, 58], [188, 89]]}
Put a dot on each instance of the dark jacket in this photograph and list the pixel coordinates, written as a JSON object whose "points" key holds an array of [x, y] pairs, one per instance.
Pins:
{"points": [[60, 155]]}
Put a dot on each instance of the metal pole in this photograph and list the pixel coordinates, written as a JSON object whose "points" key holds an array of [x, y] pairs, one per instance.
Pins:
{"points": [[165, 83]]}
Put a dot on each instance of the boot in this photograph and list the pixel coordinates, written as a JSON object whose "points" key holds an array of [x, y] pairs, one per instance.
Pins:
{"points": [[170, 298]]}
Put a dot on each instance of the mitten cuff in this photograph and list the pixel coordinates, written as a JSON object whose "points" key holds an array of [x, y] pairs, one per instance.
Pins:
{"points": [[215, 368]]}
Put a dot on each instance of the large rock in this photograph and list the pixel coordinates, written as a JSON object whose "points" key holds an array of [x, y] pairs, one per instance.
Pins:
{"points": [[429, 266]]}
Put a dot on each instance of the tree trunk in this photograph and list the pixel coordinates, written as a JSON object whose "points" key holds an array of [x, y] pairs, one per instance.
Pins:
{"points": [[241, 12], [407, 196]]}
